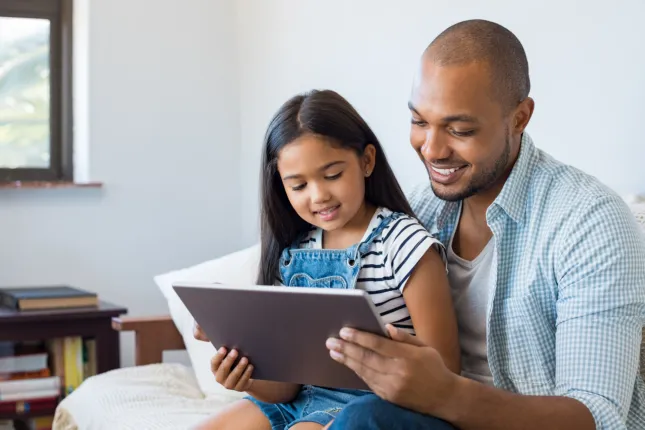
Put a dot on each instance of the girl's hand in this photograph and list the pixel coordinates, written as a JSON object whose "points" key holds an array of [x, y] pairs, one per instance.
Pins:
{"points": [[198, 333], [236, 377]]}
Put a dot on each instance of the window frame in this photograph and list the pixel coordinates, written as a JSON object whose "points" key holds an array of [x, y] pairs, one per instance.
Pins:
{"points": [[60, 15]]}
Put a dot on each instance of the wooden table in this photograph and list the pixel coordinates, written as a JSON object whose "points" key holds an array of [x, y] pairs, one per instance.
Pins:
{"points": [[93, 322]]}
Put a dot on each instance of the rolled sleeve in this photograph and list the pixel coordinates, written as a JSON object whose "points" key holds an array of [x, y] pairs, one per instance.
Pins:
{"points": [[601, 312], [605, 414]]}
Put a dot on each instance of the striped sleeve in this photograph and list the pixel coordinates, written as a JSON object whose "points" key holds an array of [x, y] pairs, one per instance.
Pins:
{"points": [[405, 242]]}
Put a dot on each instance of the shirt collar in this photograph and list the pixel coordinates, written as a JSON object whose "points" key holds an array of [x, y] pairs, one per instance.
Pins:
{"points": [[512, 198]]}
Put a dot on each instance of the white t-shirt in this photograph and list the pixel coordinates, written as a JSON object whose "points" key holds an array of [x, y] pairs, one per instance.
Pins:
{"points": [[388, 263], [470, 285]]}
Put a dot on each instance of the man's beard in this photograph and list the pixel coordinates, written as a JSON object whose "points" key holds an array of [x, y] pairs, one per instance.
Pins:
{"points": [[483, 181]]}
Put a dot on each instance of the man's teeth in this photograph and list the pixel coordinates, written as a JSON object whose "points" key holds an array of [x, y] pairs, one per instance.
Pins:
{"points": [[446, 172]]}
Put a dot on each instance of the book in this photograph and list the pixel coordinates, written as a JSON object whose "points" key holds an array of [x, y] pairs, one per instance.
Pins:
{"points": [[43, 373], [23, 363], [42, 423], [73, 364], [53, 297], [89, 358], [56, 348], [22, 389]]}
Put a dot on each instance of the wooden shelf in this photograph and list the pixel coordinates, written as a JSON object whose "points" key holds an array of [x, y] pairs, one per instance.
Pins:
{"points": [[48, 412]]}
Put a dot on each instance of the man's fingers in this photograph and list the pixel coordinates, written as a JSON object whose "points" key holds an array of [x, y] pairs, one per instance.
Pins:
{"points": [[236, 374], [379, 344], [364, 357], [403, 336], [374, 379], [244, 380]]}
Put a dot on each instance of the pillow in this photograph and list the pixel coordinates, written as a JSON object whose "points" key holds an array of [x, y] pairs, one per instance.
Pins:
{"points": [[240, 267]]}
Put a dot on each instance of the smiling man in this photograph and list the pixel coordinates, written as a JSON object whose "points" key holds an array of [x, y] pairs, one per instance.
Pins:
{"points": [[546, 266]]}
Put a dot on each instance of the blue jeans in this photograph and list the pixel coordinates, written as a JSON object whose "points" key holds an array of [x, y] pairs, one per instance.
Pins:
{"points": [[313, 404], [372, 412]]}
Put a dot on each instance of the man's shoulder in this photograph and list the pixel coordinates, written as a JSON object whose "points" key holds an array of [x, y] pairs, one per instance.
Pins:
{"points": [[560, 189]]}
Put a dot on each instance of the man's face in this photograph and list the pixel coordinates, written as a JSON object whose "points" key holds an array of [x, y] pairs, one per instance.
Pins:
{"points": [[459, 130]]}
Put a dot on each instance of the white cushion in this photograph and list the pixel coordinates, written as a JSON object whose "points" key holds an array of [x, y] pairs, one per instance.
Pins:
{"points": [[240, 267]]}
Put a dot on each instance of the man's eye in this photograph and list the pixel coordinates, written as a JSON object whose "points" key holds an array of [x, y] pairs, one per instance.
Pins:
{"points": [[463, 133], [418, 122]]}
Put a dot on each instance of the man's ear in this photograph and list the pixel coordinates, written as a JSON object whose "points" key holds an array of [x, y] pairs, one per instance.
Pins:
{"points": [[522, 115], [368, 160]]}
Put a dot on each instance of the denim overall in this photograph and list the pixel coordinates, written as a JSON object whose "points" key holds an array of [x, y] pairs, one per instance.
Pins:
{"points": [[319, 268], [327, 268]]}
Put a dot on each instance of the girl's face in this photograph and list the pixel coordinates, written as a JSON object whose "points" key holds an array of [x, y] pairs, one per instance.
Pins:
{"points": [[325, 183]]}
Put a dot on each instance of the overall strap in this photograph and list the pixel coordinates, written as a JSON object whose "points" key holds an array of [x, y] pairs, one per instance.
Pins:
{"points": [[363, 246]]}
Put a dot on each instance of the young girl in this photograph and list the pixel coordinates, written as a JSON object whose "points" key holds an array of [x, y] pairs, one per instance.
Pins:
{"points": [[334, 216]]}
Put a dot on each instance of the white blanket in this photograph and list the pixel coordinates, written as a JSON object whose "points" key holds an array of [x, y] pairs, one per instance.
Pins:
{"points": [[153, 397]]}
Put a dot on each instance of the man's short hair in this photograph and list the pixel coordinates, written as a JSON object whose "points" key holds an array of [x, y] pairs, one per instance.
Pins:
{"points": [[485, 41]]}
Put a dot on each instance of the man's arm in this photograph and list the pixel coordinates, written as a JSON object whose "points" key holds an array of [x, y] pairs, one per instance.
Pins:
{"points": [[600, 313], [412, 375], [601, 310], [479, 406]]}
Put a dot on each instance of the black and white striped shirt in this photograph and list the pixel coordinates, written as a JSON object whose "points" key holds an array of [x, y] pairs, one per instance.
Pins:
{"points": [[388, 263]]}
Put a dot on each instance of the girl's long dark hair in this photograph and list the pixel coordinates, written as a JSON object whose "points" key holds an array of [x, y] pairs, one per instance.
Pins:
{"points": [[324, 113]]}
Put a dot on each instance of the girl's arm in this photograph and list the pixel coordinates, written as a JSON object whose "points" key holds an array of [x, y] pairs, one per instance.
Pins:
{"points": [[273, 392], [427, 296]]}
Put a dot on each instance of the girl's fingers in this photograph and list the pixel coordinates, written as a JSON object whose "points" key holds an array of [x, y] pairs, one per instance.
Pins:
{"points": [[225, 367], [217, 359], [244, 381], [236, 374]]}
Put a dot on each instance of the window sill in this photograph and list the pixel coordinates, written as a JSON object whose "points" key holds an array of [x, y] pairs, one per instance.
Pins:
{"points": [[49, 184]]}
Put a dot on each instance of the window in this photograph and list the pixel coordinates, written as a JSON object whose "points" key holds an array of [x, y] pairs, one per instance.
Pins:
{"points": [[35, 90]]}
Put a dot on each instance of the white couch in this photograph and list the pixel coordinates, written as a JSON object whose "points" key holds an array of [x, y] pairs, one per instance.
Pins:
{"points": [[173, 396]]}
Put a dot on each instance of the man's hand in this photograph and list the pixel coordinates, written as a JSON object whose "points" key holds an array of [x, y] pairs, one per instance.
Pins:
{"points": [[401, 370]]}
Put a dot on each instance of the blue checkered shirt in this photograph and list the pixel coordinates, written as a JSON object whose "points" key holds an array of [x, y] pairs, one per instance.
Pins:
{"points": [[567, 302]]}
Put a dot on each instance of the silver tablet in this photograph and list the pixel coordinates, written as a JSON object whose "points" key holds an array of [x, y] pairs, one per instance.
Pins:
{"points": [[282, 330]]}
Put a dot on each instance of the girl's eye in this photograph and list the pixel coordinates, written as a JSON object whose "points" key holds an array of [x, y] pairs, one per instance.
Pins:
{"points": [[334, 177], [298, 187]]}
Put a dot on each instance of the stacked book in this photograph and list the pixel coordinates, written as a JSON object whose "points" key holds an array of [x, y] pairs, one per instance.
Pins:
{"points": [[41, 298], [35, 375], [27, 383]]}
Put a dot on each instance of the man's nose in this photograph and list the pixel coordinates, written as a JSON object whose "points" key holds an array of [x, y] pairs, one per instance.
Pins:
{"points": [[434, 146]]}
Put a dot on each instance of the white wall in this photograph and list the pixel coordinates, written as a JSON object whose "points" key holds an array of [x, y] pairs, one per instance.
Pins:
{"points": [[175, 86], [584, 60], [163, 138]]}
